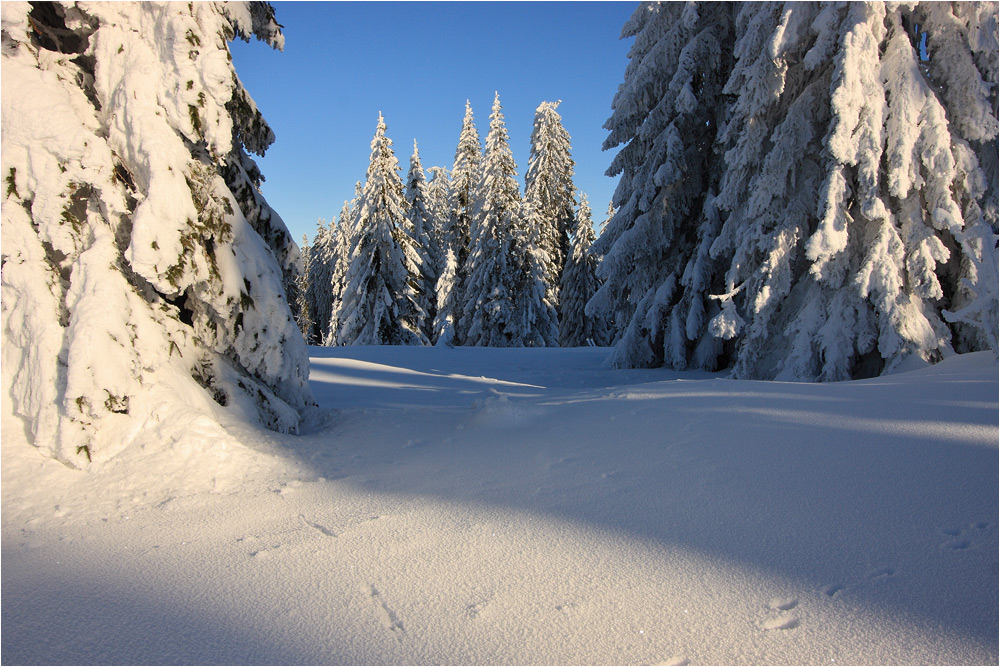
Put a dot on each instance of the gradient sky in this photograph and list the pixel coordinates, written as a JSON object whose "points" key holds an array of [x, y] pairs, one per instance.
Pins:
{"points": [[417, 63]]}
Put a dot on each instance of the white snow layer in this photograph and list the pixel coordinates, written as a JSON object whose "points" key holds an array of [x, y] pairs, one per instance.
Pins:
{"points": [[524, 506]]}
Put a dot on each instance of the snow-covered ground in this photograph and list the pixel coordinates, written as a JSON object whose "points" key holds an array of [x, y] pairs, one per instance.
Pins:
{"points": [[526, 506]]}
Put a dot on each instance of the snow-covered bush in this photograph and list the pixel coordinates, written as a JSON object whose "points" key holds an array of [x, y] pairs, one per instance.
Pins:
{"points": [[138, 254]]}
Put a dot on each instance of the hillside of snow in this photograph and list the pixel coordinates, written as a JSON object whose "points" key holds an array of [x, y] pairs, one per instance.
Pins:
{"points": [[524, 506]]}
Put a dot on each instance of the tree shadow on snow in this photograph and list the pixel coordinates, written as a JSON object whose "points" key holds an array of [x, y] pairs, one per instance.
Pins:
{"points": [[833, 486]]}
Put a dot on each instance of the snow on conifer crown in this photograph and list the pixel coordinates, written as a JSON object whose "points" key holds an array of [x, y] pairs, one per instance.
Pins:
{"points": [[144, 277], [808, 191], [462, 258]]}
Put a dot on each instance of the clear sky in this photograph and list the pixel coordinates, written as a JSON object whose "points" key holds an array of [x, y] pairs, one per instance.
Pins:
{"points": [[417, 63]]}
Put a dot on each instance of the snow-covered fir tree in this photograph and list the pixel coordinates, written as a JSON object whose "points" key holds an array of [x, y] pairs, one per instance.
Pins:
{"points": [[578, 285], [140, 264], [319, 270], [303, 315], [607, 217], [379, 303], [439, 208], [505, 262], [444, 317], [666, 115], [466, 174], [345, 238], [535, 321], [549, 189], [850, 214], [420, 229]]}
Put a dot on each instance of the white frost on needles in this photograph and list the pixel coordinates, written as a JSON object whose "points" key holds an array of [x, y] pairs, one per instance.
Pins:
{"points": [[128, 259]]}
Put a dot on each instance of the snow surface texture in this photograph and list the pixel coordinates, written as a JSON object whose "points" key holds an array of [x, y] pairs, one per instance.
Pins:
{"points": [[137, 252], [526, 506]]}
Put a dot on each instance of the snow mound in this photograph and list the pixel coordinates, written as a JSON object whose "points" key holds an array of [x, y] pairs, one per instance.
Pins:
{"points": [[497, 410]]}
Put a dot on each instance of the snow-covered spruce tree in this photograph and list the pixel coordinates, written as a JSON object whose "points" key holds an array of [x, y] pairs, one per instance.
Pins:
{"points": [[666, 114], [578, 285], [444, 318], [466, 175], [420, 229], [849, 214], [319, 296], [549, 189], [439, 209], [607, 217], [303, 314], [131, 273], [535, 321], [344, 244], [964, 38], [378, 305], [773, 177], [499, 266], [856, 285]]}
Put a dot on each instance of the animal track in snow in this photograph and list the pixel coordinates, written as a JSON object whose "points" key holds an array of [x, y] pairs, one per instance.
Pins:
{"points": [[882, 573], [675, 660], [473, 610], [960, 537], [781, 623], [386, 616], [784, 620], [833, 589], [319, 527], [783, 604], [957, 544]]}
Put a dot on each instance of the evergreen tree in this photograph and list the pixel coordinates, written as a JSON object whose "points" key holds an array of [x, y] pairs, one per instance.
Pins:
{"points": [[487, 310], [666, 115], [303, 314], [848, 216], [505, 302], [420, 228], [466, 175], [319, 298], [379, 303], [345, 238], [548, 187], [444, 318], [439, 209], [137, 254], [579, 283], [607, 217], [535, 322]]}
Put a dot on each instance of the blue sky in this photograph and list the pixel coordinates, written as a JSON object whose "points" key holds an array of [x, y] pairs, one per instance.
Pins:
{"points": [[417, 63]]}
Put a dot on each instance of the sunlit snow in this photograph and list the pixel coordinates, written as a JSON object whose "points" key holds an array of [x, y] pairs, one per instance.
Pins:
{"points": [[526, 506]]}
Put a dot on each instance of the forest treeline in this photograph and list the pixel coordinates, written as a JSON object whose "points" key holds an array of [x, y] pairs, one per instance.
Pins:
{"points": [[808, 191], [462, 258]]}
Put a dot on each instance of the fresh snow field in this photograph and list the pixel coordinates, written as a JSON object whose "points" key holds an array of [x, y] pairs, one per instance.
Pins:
{"points": [[525, 506]]}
